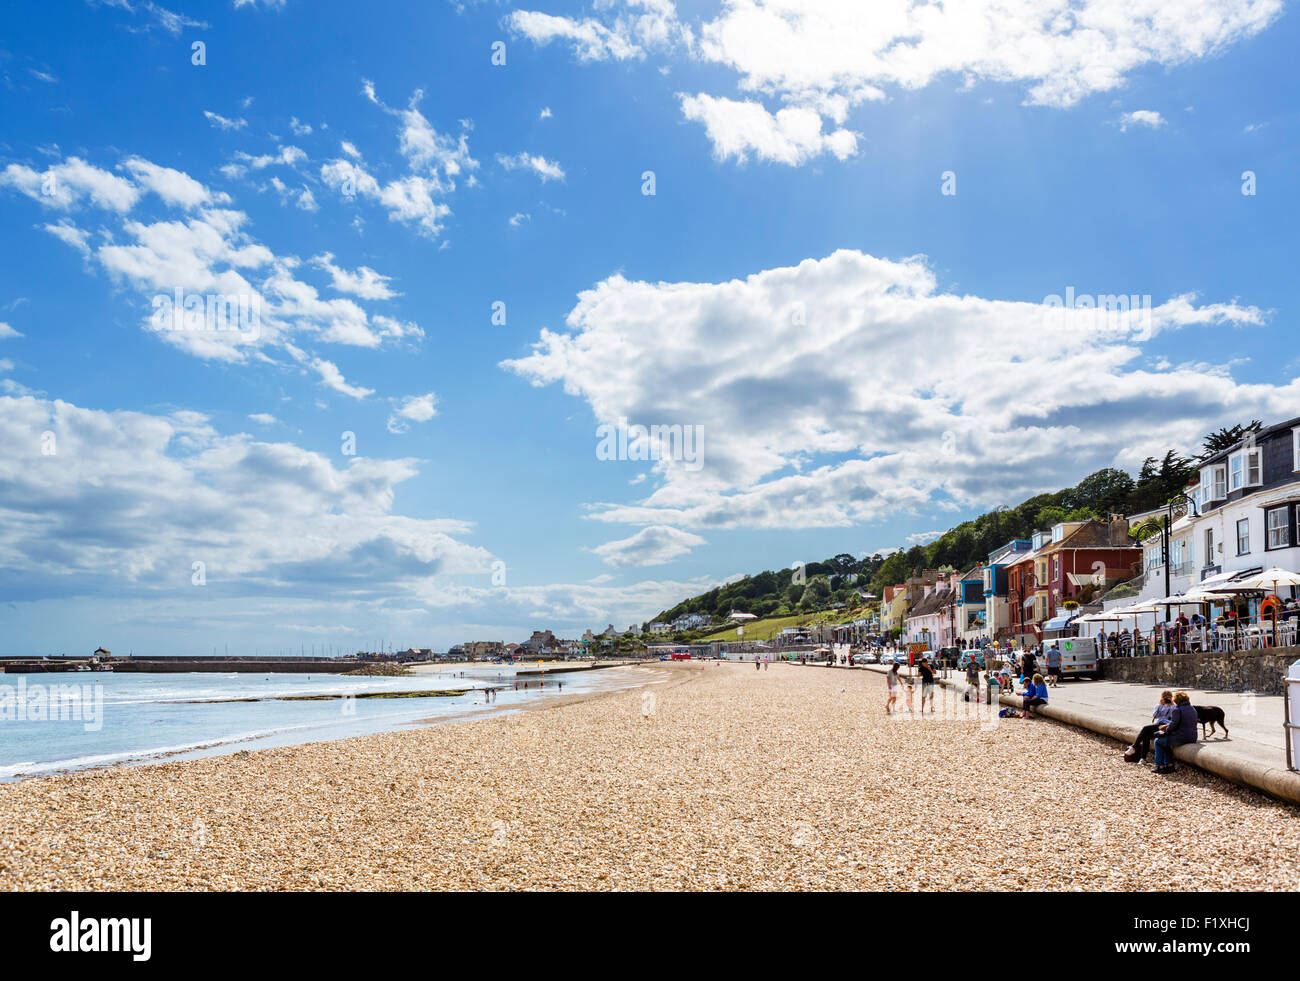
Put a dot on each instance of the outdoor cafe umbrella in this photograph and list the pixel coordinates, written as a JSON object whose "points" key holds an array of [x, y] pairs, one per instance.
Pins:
{"points": [[1268, 581], [1192, 598]]}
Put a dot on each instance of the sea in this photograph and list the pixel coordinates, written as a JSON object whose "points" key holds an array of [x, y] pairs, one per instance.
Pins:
{"points": [[56, 723]]}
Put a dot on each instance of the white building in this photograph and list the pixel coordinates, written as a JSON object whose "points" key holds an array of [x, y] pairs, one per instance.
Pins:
{"points": [[1247, 501]]}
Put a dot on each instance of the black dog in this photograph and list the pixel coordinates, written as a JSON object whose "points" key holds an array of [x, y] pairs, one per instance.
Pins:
{"points": [[1210, 715]]}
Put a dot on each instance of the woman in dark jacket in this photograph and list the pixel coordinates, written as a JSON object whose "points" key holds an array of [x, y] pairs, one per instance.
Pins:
{"points": [[1181, 729], [1163, 713]]}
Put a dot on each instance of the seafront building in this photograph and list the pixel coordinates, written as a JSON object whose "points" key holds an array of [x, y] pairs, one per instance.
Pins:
{"points": [[997, 588], [1068, 566]]}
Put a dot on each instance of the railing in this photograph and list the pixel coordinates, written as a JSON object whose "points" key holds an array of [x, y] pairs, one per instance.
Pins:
{"points": [[1244, 634]]}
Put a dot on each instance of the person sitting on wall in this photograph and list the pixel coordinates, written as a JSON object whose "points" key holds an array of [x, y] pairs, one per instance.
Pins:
{"points": [[1160, 717], [1035, 694], [1180, 729]]}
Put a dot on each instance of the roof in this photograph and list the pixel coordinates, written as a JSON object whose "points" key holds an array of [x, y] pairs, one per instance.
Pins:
{"points": [[1264, 433], [1093, 535], [933, 603]]}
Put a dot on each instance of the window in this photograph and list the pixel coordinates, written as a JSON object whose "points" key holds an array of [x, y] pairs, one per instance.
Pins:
{"points": [[1209, 546], [1279, 527], [1237, 467], [1254, 467], [1243, 536], [1219, 488], [1295, 449]]}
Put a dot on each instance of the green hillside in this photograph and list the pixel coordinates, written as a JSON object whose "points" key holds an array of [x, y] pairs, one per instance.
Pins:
{"points": [[791, 597]]}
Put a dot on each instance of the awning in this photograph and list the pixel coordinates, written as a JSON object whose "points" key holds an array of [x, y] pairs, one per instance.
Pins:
{"points": [[1081, 579], [1029, 601], [1059, 623], [1227, 577]]}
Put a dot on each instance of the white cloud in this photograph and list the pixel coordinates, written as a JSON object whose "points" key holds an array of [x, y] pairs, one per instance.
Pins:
{"points": [[518, 218], [547, 170], [924, 537], [68, 184], [434, 162], [363, 282], [131, 500], [208, 251], [331, 377], [7, 332], [173, 186], [418, 408], [221, 122], [791, 136], [545, 113], [835, 54], [413, 408], [945, 394], [70, 234], [1141, 117], [652, 545], [299, 128], [263, 418]]}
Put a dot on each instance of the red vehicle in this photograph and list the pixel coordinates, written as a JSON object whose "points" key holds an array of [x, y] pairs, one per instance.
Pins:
{"points": [[680, 656]]}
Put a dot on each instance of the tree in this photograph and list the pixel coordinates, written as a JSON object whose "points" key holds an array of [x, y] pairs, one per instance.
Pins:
{"points": [[816, 594], [1226, 438], [1103, 492]]}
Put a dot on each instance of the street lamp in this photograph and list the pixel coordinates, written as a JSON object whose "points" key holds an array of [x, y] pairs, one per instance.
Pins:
{"points": [[1166, 533]]}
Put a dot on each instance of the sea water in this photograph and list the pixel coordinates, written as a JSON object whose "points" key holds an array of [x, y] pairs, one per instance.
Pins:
{"points": [[146, 717]]}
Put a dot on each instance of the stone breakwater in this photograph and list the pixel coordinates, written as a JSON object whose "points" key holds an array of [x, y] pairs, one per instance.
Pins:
{"points": [[719, 777]]}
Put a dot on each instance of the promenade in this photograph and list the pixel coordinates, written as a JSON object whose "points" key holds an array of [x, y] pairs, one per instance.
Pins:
{"points": [[1254, 753]]}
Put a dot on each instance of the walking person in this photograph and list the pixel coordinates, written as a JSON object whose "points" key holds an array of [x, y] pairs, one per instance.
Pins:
{"points": [[891, 679], [1054, 666], [927, 684], [1028, 664]]}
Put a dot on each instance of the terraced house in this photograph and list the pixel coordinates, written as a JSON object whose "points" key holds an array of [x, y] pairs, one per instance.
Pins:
{"points": [[1074, 561], [1248, 507]]}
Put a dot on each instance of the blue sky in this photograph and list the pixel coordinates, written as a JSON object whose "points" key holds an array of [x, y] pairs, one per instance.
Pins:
{"points": [[869, 358]]}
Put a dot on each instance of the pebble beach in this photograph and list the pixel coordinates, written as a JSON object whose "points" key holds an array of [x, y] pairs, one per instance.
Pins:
{"points": [[713, 776]]}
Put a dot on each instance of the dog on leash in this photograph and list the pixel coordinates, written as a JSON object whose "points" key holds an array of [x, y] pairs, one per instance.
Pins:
{"points": [[1212, 716]]}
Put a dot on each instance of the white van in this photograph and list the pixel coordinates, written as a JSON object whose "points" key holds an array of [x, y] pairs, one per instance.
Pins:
{"points": [[1078, 657]]}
